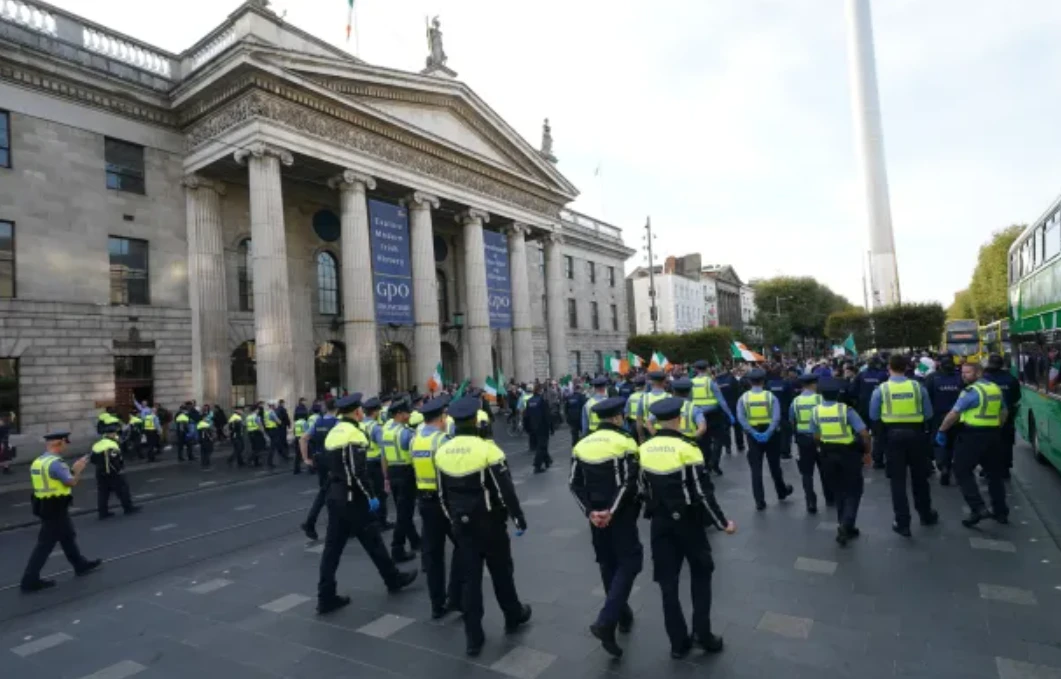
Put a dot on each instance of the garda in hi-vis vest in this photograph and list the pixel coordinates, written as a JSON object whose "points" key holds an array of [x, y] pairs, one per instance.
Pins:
{"points": [[687, 420], [901, 402], [44, 484], [989, 412], [299, 428], [369, 428], [633, 405], [703, 395], [592, 418], [833, 427], [759, 408], [392, 444], [804, 405], [423, 451]]}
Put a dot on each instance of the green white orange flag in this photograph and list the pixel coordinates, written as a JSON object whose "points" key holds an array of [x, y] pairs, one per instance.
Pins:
{"points": [[743, 353], [349, 19], [490, 389], [634, 360], [614, 364], [434, 383], [658, 362]]}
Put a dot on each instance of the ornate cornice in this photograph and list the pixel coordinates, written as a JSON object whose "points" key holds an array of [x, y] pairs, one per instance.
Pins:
{"points": [[194, 182], [260, 150], [349, 179], [473, 215]]}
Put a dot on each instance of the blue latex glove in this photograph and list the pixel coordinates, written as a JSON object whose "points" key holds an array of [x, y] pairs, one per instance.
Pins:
{"points": [[941, 439], [761, 437], [373, 505], [519, 532]]}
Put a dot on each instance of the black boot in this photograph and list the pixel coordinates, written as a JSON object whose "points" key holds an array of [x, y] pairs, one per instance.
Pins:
{"points": [[332, 603], [405, 578], [606, 635], [523, 617]]}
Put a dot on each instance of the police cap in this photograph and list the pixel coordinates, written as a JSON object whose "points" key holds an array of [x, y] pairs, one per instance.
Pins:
{"points": [[600, 381], [666, 408], [372, 404], [756, 375], [316, 408], [400, 406], [464, 409], [830, 387], [348, 403], [808, 378], [682, 384], [639, 380], [433, 408], [58, 436], [657, 376], [700, 365], [609, 407]]}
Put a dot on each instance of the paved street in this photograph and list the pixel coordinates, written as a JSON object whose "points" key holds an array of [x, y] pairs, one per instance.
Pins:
{"points": [[221, 584]]}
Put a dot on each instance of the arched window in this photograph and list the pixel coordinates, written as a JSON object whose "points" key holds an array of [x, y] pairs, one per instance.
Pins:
{"points": [[394, 367], [245, 275], [244, 375], [328, 284], [443, 297], [329, 368]]}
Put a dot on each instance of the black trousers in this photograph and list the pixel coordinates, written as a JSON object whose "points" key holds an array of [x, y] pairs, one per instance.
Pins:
{"points": [[675, 541], [277, 442], [809, 459], [981, 446], [576, 433], [738, 432], [908, 450], [784, 436], [375, 475], [182, 444], [112, 483], [344, 522], [877, 450], [236, 456], [542, 459], [484, 540], [436, 529], [206, 452], [258, 446], [620, 558], [56, 529], [154, 444], [322, 492], [843, 473], [944, 455], [715, 438], [771, 451], [403, 487]]}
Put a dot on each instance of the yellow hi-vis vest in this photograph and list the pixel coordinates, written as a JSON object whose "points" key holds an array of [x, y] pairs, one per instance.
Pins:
{"points": [[662, 455], [832, 424], [345, 434], [203, 424], [687, 420], [416, 419], [149, 422], [135, 421], [901, 402], [299, 428], [989, 413], [467, 455], [104, 447], [804, 405], [235, 417], [759, 408], [592, 419], [392, 445], [44, 485], [270, 420], [702, 394], [423, 452], [369, 428], [604, 445], [649, 399], [253, 423], [633, 405]]}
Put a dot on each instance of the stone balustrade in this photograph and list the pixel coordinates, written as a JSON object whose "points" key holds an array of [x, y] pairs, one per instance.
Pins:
{"points": [[25, 14], [127, 52], [218, 44]]}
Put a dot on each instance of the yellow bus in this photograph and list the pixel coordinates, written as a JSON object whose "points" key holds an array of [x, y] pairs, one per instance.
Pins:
{"points": [[962, 339], [994, 338]]}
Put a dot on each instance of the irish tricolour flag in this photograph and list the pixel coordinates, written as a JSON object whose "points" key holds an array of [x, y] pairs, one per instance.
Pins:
{"points": [[658, 362], [743, 353], [434, 383], [490, 389]]}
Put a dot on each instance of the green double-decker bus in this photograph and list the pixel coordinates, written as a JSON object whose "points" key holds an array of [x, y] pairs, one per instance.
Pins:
{"points": [[1035, 332]]}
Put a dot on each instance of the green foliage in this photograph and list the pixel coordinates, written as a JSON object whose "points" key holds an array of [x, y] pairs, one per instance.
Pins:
{"points": [[685, 348], [962, 307], [777, 331], [804, 303], [908, 326], [840, 324], [988, 288]]}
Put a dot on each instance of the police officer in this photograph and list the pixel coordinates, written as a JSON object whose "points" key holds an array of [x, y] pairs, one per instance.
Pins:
{"points": [[53, 484], [600, 393], [376, 464], [624, 388], [478, 495], [185, 434], [680, 501], [633, 410], [996, 372], [657, 391], [943, 387], [800, 416], [235, 434], [903, 409], [759, 413], [131, 436], [276, 432], [837, 428], [311, 449], [433, 520], [691, 422], [298, 428], [710, 402], [573, 405], [204, 428], [351, 506], [107, 458], [107, 417], [862, 388], [397, 437], [779, 386], [981, 409], [152, 427], [604, 476], [539, 425], [731, 390], [256, 434]]}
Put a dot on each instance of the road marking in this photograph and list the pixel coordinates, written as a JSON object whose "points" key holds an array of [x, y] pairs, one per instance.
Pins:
{"points": [[143, 496], [535, 502], [42, 644], [311, 491], [1010, 595], [993, 545], [58, 551], [815, 565], [285, 603], [165, 526], [154, 480], [243, 508], [523, 663], [20, 504], [385, 625], [125, 668], [1016, 669], [316, 549], [205, 484], [210, 586]]}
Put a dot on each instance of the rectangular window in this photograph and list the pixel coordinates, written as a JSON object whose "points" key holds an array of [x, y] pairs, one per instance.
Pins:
{"points": [[7, 260], [569, 267], [5, 139], [133, 367], [578, 364], [1051, 243], [591, 270], [572, 313], [125, 165], [611, 276], [594, 316], [541, 261], [599, 355], [615, 317], [9, 393], [129, 272]]}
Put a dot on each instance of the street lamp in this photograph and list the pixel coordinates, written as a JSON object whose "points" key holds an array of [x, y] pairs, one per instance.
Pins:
{"points": [[777, 302]]}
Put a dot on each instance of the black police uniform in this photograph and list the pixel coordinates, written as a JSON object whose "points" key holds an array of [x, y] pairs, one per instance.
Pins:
{"points": [[109, 464], [235, 435], [680, 502], [1011, 397], [604, 475], [731, 391], [944, 387], [536, 421], [573, 404], [810, 458], [907, 447], [782, 391], [865, 383], [321, 427]]}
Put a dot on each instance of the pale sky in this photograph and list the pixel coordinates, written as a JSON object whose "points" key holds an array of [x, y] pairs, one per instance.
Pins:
{"points": [[729, 122]]}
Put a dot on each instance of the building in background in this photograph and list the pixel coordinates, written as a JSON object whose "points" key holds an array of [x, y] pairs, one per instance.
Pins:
{"points": [[748, 312], [728, 290], [689, 296]]}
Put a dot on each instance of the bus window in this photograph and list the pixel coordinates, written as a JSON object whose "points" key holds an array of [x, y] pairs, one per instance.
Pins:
{"points": [[1052, 369], [1052, 239], [1027, 363]]}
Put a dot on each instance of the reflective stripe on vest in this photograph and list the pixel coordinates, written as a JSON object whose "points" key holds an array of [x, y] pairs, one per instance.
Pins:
{"points": [[832, 424], [392, 447], [592, 419], [901, 402], [423, 452], [44, 485], [149, 423], [633, 404], [369, 427], [759, 408], [687, 420], [602, 446], [300, 428], [702, 394], [989, 413], [466, 456], [804, 406]]}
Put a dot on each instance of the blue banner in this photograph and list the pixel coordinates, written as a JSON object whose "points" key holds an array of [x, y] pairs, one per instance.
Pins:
{"points": [[392, 270], [498, 280]]}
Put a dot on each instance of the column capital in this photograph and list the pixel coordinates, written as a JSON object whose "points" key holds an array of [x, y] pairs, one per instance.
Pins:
{"points": [[516, 229], [345, 180], [194, 181], [260, 150], [553, 237], [419, 199], [473, 215]]}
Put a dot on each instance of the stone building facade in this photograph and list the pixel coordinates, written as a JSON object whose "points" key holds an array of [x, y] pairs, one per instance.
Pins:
{"points": [[195, 225]]}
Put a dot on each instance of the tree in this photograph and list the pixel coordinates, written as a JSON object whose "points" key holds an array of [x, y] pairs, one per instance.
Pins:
{"points": [[710, 344], [908, 326], [962, 307], [804, 303], [988, 289], [855, 322]]}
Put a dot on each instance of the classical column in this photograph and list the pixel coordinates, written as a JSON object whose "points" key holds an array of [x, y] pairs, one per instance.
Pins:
{"points": [[427, 352], [554, 292], [211, 363], [359, 310], [274, 343], [522, 344], [477, 301]]}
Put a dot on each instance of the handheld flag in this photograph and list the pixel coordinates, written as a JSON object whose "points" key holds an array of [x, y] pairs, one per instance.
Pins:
{"points": [[565, 380], [460, 390], [849, 344], [434, 383], [658, 362], [634, 360], [743, 353], [490, 387]]}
